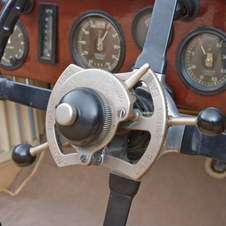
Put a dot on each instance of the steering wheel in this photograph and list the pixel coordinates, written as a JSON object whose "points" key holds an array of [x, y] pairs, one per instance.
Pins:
{"points": [[123, 121]]}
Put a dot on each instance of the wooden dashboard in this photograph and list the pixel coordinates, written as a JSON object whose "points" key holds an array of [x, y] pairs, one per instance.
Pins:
{"points": [[211, 13]]}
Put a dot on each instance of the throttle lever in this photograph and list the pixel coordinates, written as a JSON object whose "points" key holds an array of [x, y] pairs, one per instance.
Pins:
{"points": [[210, 121]]}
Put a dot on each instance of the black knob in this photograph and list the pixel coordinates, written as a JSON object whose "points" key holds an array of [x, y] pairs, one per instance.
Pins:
{"points": [[211, 121], [89, 122], [21, 155]]}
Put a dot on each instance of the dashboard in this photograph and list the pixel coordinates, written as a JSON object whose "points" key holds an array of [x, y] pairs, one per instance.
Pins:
{"points": [[58, 33]]}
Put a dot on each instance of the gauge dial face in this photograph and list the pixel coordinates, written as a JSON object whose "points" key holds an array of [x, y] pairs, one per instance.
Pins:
{"points": [[140, 27], [16, 49], [202, 61], [96, 41]]}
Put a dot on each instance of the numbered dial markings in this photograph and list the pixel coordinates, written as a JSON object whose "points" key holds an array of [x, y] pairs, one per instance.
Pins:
{"points": [[16, 49], [201, 61], [96, 41]]}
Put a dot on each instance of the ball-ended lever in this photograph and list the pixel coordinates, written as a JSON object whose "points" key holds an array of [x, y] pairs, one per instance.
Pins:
{"points": [[210, 121]]}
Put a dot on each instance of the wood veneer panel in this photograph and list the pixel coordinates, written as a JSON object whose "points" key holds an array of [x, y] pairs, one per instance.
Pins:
{"points": [[212, 13]]}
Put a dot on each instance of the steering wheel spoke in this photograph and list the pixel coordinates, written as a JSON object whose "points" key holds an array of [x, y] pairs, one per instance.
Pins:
{"points": [[28, 95]]}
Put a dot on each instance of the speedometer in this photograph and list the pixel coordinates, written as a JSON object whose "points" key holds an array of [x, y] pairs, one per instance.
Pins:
{"points": [[96, 41], [201, 60]]}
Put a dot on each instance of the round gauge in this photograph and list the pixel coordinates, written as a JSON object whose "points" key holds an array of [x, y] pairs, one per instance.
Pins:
{"points": [[16, 49], [97, 41], [201, 60], [140, 27]]}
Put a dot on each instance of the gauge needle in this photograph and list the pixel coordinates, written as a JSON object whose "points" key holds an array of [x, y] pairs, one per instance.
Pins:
{"points": [[108, 28], [209, 58], [200, 43]]}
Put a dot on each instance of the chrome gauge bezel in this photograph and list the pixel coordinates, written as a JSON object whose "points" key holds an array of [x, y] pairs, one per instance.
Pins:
{"points": [[21, 61], [137, 18], [181, 67], [102, 14]]}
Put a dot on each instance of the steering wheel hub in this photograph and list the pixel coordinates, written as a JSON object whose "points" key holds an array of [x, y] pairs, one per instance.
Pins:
{"points": [[104, 102], [93, 116]]}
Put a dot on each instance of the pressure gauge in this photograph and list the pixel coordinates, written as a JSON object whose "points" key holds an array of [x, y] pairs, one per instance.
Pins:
{"points": [[16, 49], [140, 27], [97, 41], [201, 60]]}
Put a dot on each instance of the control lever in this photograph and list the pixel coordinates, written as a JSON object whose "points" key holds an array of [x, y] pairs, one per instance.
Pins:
{"points": [[210, 121], [25, 155]]}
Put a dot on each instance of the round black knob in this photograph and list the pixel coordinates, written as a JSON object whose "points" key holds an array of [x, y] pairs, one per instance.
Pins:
{"points": [[211, 121], [81, 116], [21, 155]]}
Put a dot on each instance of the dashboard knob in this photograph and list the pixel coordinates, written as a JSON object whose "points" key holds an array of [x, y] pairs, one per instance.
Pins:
{"points": [[211, 121]]}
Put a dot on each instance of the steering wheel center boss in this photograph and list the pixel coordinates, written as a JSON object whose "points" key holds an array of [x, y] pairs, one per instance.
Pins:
{"points": [[88, 107]]}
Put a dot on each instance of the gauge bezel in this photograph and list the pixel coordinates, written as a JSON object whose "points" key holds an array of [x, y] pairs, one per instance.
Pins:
{"points": [[134, 28], [97, 13], [26, 47], [181, 67]]}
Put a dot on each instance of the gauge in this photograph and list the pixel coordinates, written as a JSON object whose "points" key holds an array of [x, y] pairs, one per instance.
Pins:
{"points": [[97, 41], [201, 60], [16, 49], [140, 27], [47, 32]]}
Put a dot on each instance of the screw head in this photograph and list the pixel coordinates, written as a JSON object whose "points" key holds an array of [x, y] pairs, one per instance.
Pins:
{"points": [[83, 158], [121, 112]]}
